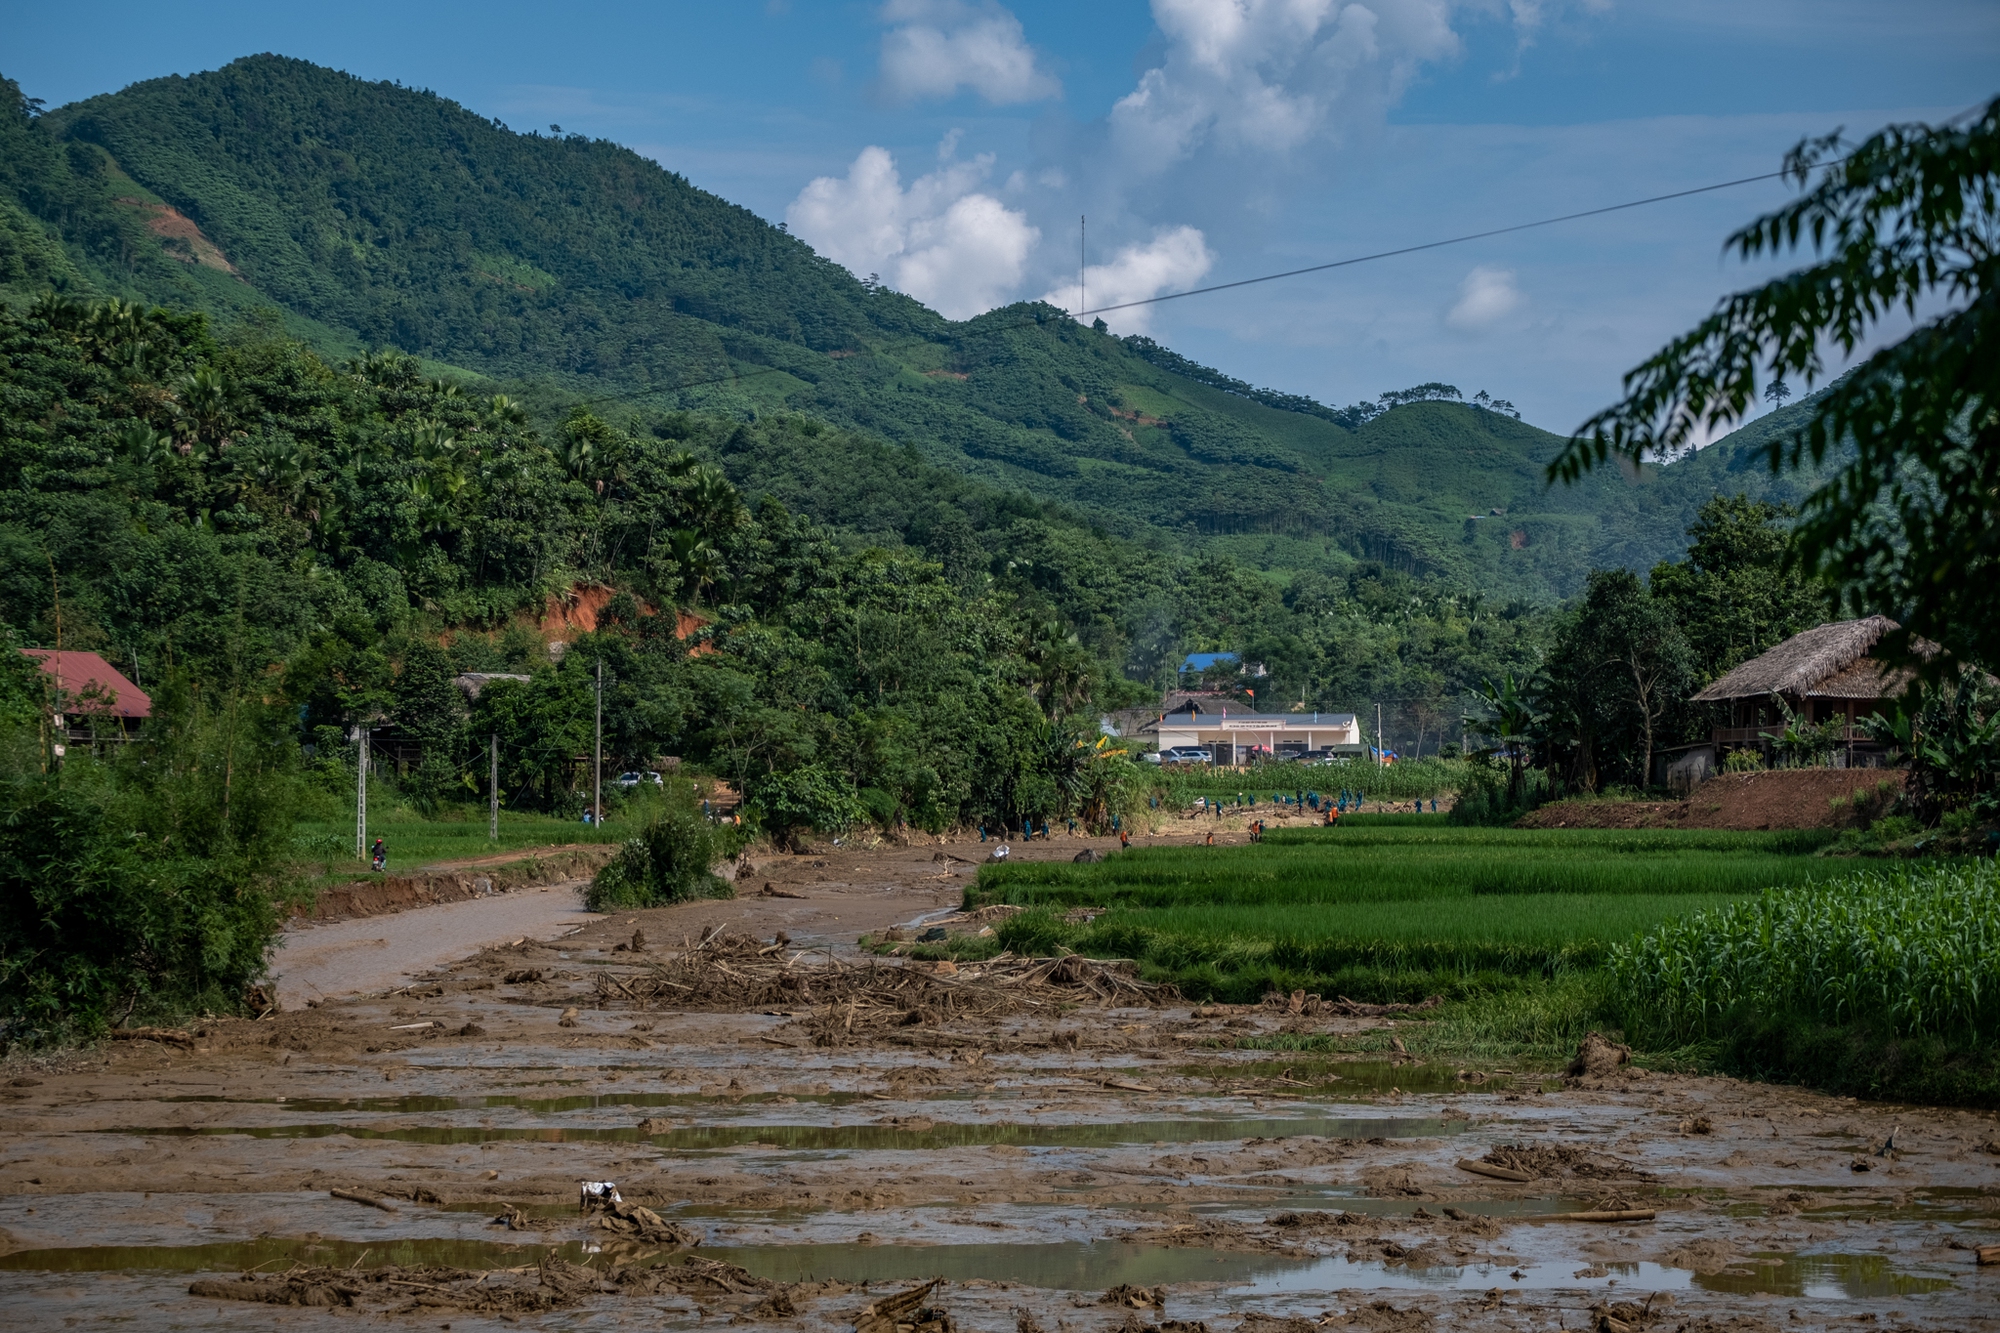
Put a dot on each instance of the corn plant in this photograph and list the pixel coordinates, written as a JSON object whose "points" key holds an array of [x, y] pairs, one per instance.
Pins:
{"points": [[1916, 949]]}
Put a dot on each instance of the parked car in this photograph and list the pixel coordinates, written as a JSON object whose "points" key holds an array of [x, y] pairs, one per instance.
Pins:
{"points": [[1149, 756], [631, 780], [1187, 754]]}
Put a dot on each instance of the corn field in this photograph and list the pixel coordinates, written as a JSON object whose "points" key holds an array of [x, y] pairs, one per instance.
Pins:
{"points": [[1916, 948]]}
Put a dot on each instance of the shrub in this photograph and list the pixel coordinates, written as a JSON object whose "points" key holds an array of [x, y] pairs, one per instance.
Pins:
{"points": [[1743, 761], [668, 862], [1484, 800], [808, 797], [143, 887]]}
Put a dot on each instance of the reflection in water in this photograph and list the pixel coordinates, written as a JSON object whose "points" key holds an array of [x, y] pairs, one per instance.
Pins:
{"points": [[1064, 1266], [1821, 1277], [1067, 1266], [423, 1105]]}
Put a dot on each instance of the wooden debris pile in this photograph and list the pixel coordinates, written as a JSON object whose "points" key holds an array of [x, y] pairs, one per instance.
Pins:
{"points": [[733, 973], [552, 1284]]}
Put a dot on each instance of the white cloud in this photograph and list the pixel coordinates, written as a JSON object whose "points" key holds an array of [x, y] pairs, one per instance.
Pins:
{"points": [[1487, 296], [1175, 258], [1273, 74], [940, 46], [955, 249]]}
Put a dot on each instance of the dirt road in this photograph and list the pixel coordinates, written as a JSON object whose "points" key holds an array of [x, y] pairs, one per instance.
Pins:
{"points": [[373, 954], [1063, 1151]]}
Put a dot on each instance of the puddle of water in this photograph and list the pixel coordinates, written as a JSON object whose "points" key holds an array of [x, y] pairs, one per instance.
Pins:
{"points": [[1372, 1076], [1821, 1277], [270, 1252], [1062, 1266], [1827, 1277], [1381, 1075], [853, 1138], [1348, 1199], [419, 1105]]}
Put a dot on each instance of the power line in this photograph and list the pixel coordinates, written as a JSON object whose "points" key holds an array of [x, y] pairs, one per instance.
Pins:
{"points": [[1453, 240], [736, 377]]}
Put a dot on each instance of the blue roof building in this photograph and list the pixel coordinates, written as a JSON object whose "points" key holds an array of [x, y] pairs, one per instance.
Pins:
{"points": [[1203, 661]]}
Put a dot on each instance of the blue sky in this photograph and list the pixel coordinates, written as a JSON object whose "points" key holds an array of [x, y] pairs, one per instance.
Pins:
{"points": [[950, 145]]}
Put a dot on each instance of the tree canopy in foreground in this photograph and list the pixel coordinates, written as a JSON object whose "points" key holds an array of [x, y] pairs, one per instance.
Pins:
{"points": [[1909, 523]]}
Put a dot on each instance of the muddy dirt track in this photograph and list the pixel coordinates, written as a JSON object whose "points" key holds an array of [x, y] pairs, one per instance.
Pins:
{"points": [[802, 1138]]}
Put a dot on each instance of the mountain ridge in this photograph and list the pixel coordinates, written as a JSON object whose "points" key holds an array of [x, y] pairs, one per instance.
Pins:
{"points": [[372, 214]]}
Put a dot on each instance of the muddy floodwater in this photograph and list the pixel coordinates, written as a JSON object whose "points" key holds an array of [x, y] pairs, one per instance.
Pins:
{"points": [[799, 1134]]}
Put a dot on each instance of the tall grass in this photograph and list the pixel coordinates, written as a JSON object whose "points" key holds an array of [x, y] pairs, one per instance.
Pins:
{"points": [[1916, 948]]}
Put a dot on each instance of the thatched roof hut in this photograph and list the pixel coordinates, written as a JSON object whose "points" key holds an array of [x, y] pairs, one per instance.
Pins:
{"points": [[1825, 662]]}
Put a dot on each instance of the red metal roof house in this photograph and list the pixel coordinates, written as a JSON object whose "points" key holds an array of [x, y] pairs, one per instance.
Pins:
{"points": [[87, 686]]}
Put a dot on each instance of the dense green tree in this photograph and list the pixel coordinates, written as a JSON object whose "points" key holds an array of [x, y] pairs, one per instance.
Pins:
{"points": [[141, 884], [1736, 594], [1618, 665]]}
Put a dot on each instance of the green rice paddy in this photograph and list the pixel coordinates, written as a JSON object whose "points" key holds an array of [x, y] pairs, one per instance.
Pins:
{"points": [[1738, 951], [1387, 907]]}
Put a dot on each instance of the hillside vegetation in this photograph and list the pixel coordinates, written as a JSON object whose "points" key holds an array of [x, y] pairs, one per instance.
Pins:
{"points": [[376, 216]]}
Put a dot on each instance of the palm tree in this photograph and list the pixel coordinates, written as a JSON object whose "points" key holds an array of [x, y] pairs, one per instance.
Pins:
{"points": [[503, 412], [698, 563], [713, 505], [207, 400], [432, 441], [276, 466], [1511, 717], [1060, 671], [144, 445]]}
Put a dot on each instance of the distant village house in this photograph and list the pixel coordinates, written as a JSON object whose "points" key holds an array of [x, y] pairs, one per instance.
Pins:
{"points": [[93, 699], [1825, 675]]}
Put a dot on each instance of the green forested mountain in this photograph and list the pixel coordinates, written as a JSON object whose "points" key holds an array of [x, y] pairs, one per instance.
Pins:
{"points": [[367, 216]]}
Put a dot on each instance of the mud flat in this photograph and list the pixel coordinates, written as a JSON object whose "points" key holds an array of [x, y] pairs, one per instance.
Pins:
{"points": [[807, 1138]]}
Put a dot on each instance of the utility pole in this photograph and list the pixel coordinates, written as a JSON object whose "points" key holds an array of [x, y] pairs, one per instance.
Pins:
{"points": [[1381, 760], [493, 791], [597, 757], [361, 792], [1082, 303]]}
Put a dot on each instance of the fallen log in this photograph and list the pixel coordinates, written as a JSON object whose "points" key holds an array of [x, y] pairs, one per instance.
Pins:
{"points": [[1506, 1173], [885, 1314], [1597, 1215], [368, 1199]]}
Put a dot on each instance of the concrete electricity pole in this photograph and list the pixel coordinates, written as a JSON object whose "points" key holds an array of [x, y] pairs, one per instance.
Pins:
{"points": [[493, 792], [597, 756], [1381, 760], [361, 793]]}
